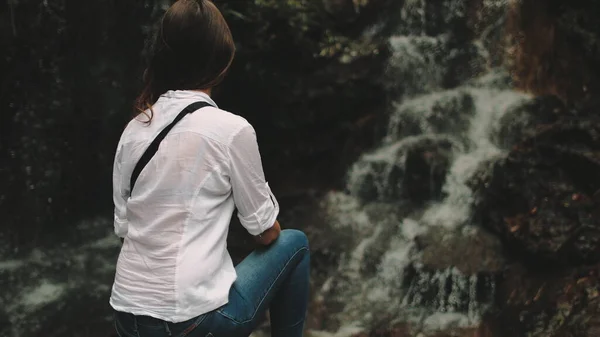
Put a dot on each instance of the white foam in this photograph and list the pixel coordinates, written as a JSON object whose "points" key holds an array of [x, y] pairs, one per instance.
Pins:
{"points": [[414, 57], [440, 321], [357, 256], [412, 228], [10, 265], [44, 293], [490, 106], [346, 330], [347, 211], [110, 241]]}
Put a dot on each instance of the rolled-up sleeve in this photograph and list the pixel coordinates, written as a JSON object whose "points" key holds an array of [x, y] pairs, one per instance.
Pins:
{"points": [[256, 206], [119, 200]]}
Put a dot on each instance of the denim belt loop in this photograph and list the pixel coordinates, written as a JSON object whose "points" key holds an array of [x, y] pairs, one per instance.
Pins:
{"points": [[167, 328], [135, 325]]}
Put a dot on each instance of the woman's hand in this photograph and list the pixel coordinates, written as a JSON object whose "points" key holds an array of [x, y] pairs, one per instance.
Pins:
{"points": [[270, 235]]}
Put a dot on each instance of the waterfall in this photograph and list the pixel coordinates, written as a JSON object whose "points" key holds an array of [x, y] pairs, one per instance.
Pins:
{"points": [[402, 285], [407, 203]]}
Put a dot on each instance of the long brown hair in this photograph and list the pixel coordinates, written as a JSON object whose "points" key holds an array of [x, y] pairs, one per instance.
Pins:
{"points": [[192, 50], [556, 48]]}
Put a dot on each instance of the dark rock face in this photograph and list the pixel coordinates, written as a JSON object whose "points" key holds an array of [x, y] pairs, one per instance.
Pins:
{"points": [[555, 49], [542, 198], [522, 121], [353, 12], [542, 201], [425, 171], [558, 303], [475, 252]]}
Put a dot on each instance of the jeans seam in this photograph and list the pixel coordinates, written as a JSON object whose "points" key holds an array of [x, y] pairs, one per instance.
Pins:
{"points": [[117, 329], [194, 325], [291, 326], [263, 296]]}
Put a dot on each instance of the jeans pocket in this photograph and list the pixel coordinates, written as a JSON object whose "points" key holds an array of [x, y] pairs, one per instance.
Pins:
{"points": [[237, 310], [123, 331], [131, 326], [223, 325], [192, 327], [150, 324]]}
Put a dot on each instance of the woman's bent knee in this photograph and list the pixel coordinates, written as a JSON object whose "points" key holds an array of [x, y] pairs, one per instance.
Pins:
{"points": [[293, 237]]}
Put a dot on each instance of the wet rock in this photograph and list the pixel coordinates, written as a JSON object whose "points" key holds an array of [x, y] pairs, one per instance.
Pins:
{"points": [[571, 31], [557, 304], [547, 214], [414, 170], [543, 198], [425, 172], [349, 11], [471, 250], [525, 120]]}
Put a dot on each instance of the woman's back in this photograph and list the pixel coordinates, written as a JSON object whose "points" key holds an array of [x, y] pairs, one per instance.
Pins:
{"points": [[174, 263], [174, 275]]}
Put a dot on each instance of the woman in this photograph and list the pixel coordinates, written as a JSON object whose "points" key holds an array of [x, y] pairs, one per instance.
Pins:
{"points": [[174, 275]]}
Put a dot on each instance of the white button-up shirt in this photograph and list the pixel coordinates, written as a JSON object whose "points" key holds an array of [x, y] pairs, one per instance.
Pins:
{"points": [[174, 264]]}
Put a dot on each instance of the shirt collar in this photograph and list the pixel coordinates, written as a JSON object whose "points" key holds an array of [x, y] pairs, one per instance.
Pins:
{"points": [[189, 94]]}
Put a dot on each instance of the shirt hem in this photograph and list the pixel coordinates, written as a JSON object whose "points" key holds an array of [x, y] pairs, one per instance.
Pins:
{"points": [[211, 306]]}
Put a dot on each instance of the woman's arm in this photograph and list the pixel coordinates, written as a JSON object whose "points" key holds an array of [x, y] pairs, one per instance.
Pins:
{"points": [[256, 205], [121, 225], [267, 237]]}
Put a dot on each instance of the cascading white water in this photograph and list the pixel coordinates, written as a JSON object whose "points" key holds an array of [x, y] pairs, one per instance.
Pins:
{"points": [[490, 105], [385, 275], [437, 298]]}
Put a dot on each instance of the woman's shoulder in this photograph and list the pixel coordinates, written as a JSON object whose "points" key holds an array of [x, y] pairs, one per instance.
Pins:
{"points": [[219, 123], [220, 116]]}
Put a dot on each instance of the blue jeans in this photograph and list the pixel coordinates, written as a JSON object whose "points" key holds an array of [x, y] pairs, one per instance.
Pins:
{"points": [[274, 277]]}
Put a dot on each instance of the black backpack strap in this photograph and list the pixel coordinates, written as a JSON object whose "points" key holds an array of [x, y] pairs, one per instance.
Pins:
{"points": [[153, 147]]}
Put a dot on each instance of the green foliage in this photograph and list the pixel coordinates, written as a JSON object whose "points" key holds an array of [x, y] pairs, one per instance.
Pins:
{"points": [[307, 24]]}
